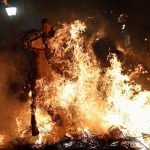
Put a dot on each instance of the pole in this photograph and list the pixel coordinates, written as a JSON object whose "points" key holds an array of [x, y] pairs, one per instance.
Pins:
{"points": [[34, 127]]}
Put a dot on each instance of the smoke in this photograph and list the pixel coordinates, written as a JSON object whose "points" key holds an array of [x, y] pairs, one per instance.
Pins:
{"points": [[116, 21], [12, 80]]}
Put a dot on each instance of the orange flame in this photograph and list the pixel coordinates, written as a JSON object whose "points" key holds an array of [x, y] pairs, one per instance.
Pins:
{"points": [[84, 98], [1, 140]]}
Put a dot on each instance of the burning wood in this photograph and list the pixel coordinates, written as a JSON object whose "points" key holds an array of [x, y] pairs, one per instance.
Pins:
{"points": [[83, 140]]}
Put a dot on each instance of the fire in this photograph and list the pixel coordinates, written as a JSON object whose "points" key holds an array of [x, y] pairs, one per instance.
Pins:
{"points": [[1, 140], [83, 98], [19, 127], [43, 121], [129, 104]]}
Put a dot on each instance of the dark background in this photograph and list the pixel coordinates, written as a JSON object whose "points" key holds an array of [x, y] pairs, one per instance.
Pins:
{"points": [[30, 13]]}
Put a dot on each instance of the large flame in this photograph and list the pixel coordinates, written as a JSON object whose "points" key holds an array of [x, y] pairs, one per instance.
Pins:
{"points": [[82, 97], [129, 104]]}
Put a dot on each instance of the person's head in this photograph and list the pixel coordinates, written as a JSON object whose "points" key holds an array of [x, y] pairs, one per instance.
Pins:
{"points": [[46, 26]]}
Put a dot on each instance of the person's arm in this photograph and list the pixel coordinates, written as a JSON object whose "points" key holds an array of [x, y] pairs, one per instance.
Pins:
{"points": [[32, 40]]}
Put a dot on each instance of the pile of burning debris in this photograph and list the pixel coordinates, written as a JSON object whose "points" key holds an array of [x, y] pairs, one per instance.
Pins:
{"points": [[114, 140]]}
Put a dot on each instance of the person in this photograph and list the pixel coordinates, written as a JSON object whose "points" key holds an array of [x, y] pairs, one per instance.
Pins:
{"points": [[48, 33], [36, 42]]}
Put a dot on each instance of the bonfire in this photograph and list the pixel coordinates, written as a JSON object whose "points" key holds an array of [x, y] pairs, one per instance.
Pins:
{"points": [[84, 106]]}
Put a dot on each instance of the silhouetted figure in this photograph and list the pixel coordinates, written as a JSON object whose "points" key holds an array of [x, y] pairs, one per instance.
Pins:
{"points": [[37, 44]]}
